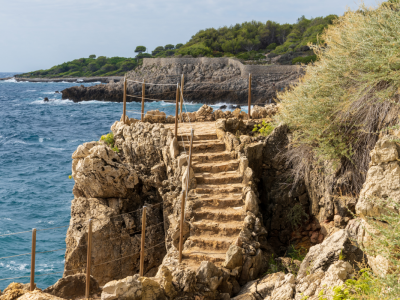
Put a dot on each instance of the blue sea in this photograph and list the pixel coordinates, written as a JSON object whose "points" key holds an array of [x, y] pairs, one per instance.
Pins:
{"points": [[37, 140]]}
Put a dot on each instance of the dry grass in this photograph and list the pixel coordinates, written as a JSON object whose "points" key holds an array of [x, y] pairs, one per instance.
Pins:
{"points": [[349, 95]]}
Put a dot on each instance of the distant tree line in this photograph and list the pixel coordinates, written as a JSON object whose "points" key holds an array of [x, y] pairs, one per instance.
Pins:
{"points": [[247, 41]]}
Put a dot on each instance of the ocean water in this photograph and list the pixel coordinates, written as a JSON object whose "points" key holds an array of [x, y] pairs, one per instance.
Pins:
{"points": [[37, 140]]}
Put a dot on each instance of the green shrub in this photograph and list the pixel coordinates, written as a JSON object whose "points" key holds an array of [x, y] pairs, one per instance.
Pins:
{"points": [[195, 50], [297, 254], [296, 215], [109, 140], [304, 59], [264, 128], [271, 46], [336, 110]]}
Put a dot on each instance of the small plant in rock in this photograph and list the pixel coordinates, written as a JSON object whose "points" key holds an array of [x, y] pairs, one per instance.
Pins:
{"points": [[70, 176], [263, 129], [109, 140], [296, 215], [297, 254]]}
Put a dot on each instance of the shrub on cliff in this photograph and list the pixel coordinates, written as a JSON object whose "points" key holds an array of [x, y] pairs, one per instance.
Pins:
{"points": [[350, 94]]}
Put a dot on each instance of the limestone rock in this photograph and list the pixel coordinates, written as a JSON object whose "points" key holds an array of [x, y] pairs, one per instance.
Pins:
{"points": [[151, 289], [174, 148], [322, 256], [251, 203], [72, 286], [38, 295], [382, 178], [166, 282], [234, 257], [127, 288], [155, 116]]}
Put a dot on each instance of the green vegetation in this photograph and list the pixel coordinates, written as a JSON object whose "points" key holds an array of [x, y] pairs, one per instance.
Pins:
{"points": [[140, 49], [336, 111], [83, 67], [297, 254], [296, 215], [109, 140], [257, 38], [304, 59], [264, 128]]}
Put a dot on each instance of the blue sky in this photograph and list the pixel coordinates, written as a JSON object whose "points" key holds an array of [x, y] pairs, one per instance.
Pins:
{"points": [[37, 34]]}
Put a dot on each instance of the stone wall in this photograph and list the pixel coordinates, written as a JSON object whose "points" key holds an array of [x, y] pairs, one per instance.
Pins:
{"points": [[254, 70]]}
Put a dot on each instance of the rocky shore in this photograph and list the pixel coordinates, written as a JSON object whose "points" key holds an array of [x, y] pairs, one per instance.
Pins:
{"points": [[212, 81], [243, 214]]}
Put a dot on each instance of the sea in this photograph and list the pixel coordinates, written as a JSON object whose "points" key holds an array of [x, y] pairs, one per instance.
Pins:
{"points": [[37, 139]]}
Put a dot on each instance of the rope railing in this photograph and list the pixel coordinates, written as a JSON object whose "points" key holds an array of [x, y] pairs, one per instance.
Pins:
{"points": [[88, 245]]}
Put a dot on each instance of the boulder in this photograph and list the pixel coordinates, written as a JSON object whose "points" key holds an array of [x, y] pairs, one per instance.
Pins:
{"points": [[209, 274], [234, 257], [72, 286], [251, 203], [127, 288], [322, 256], [174, 148]]}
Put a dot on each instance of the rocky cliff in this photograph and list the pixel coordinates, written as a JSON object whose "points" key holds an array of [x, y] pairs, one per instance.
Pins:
{"points": [[207, 81]]}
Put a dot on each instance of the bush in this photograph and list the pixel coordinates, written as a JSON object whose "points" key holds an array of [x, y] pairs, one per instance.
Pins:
{"points": [[108, 68], [336, 110], [271, 46], [304, 59], [195, 50], [264, 128], [109, 140]]}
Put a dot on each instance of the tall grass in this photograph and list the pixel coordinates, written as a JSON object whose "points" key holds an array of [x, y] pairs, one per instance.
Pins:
{"points": [[350, 94]]}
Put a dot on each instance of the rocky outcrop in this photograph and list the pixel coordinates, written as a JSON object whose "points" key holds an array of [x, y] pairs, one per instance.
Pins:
{"points": [[110, 188], [326, 266], [72, 287], [212, 81]]}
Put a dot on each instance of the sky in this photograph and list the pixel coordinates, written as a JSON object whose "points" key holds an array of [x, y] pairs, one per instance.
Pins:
{"points": [[38, 34]]}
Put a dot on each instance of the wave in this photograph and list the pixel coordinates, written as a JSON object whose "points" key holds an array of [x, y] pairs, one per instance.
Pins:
{"points": [[13, 266], [53, 102]]}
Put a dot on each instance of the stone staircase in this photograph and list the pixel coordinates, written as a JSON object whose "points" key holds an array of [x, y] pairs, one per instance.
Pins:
{"points": [[217, 203]]}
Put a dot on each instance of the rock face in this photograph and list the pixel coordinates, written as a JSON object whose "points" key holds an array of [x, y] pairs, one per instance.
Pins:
{"points": [[72, 287], [111, 188], [207, 81], [383, 177]]}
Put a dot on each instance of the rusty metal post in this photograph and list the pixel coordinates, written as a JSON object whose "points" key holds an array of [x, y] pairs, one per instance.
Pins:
{"points": [[176, 110], [249, 96], [33, 257], [181, 225], [141, 271], [143, 94], [88, 259], [124, 109], [182, 84]]}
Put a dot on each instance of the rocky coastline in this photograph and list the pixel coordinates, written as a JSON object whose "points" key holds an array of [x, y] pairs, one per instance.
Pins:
{"points": [[205, 81], [149, 168]]}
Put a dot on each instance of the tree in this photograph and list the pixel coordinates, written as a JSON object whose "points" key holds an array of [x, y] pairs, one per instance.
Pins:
{"points": [[92, 56], [178, 46], [140, 49], [101, 60], [108, 68], [169, 47], [92, 67], [157, 50]]}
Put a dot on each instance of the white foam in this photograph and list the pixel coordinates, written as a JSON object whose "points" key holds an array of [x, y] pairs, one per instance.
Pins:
{"points": [[56, 149], [13, 266], [40, 140], [31, 90], [49, 93], [79, 80]]}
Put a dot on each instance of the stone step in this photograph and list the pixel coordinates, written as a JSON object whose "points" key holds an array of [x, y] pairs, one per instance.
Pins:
{"points": [[217, 200], [208, 243], [216, 229], [219, 178], [202, 146], [215, 167], [218, 214], [212, 157], [211, 189], [197, 255], [197, 137]]}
